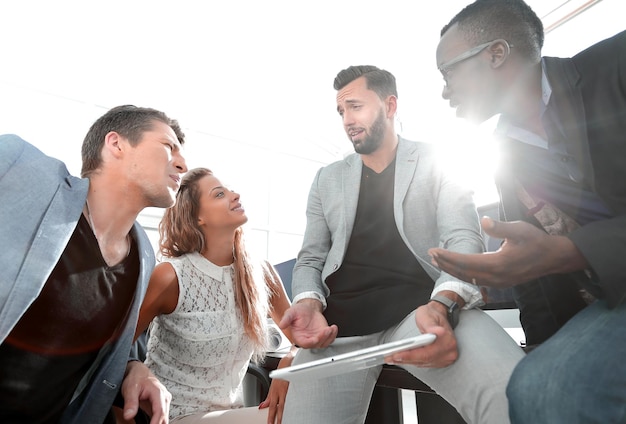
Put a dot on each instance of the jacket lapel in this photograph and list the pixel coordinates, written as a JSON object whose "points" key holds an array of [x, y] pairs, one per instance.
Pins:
{"points": [[406, 164], [567, 103], [53, 234], [351, 181]]}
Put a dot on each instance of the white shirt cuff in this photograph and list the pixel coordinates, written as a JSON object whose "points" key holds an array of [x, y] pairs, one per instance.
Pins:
{"points": [[310, 295], [470, 293]]}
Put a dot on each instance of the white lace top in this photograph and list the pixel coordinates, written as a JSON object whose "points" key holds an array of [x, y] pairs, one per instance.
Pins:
{"points": [[200, 351]]}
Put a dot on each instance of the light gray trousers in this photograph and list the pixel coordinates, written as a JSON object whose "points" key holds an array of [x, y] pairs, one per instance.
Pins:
{"points": [[250, 415], [475, 384]]}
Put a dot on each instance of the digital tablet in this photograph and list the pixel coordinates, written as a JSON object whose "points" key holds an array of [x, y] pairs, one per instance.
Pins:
{"points": [[351, 361]]}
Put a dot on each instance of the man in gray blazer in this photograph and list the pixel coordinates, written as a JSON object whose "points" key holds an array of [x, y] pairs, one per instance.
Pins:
{"points": [[75, 269], [562, 139], [363, 276]]}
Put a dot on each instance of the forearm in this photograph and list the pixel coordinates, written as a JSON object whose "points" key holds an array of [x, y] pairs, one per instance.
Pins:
{"points": [[459, 230], [566, 256]]}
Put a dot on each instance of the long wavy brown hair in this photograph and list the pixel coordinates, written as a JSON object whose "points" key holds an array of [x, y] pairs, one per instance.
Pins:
{"points": [[180, 234]]}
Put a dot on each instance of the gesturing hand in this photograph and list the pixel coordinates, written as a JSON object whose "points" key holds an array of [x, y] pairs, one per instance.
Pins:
{"points": [[275, 400], [141, 387], [526, 253], [307, 324]]}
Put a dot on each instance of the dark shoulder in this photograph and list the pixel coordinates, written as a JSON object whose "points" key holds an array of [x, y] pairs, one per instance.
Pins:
{"points": [[612, 49]]}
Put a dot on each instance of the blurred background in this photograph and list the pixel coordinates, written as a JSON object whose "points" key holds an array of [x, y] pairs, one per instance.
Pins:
{"points": [[251, 84]]}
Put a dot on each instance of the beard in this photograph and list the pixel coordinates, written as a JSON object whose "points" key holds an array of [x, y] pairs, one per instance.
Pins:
{"points": [[373, 138]]}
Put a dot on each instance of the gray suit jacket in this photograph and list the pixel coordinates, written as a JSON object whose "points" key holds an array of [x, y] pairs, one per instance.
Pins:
{"points": [[40, 204], [430, 210]]}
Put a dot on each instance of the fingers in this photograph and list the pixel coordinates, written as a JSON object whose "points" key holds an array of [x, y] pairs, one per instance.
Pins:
{"points": [[453, 263], [271, 413], [131, 406], [497, 229], [505, 230], [130, 391], [517, 260], [160, 408], [477, 269], [317, 339], [141, 386], [487, 223], [279, 413], [275, 401], [441, 353], [447, 260], [275, 413], [330, 334]]}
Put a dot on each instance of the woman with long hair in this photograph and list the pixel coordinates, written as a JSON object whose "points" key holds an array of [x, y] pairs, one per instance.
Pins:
{"points": [[207, 305]]}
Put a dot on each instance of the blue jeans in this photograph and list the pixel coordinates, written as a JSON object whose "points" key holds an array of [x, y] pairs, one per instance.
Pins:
{"points": [[578, 375]]}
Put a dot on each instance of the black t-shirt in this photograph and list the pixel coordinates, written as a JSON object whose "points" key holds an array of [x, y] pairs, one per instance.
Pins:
{"points": [[380, 281], [82, 306]]}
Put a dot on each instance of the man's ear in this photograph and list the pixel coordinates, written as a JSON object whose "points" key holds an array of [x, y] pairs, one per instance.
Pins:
{"points": [[113, 143], [392, 105], [499, 52]]}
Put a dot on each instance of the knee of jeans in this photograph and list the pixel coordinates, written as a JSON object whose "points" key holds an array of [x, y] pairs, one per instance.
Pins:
{"points": [[522, 385]]}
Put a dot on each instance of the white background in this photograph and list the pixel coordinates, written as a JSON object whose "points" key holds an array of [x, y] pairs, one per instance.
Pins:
{"points": [[250, 82]]}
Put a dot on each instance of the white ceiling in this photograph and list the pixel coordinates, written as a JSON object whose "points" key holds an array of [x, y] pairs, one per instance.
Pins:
{"points": [[249, 72]]}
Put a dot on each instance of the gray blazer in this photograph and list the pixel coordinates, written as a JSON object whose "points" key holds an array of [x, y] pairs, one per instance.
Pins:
{"points": [[430, 210], [40, 204]]}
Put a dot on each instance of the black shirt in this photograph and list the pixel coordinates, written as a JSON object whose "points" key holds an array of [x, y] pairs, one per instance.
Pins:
{"points": [[81, 307], [380, 281]]}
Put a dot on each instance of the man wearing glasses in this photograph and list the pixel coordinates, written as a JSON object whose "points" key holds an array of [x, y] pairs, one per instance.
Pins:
{"points": [[562, 185]]}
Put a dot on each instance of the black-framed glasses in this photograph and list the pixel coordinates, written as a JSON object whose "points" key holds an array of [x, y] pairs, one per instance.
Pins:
{"points": [[446, 67]]}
